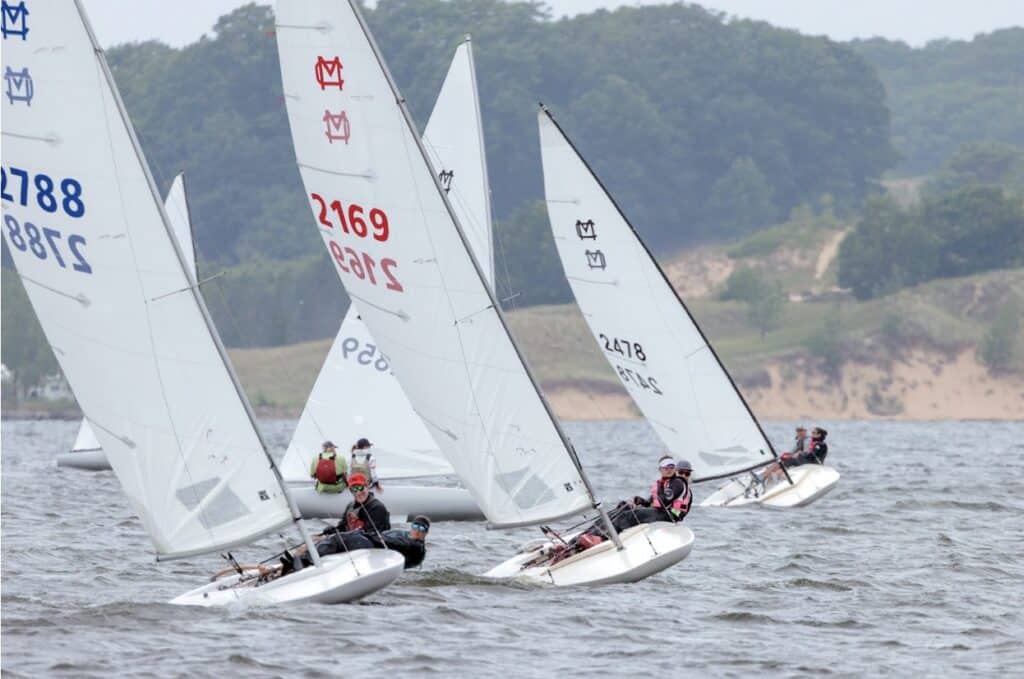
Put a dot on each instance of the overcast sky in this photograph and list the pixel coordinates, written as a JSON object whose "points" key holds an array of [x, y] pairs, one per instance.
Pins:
{"points": [[914, 21]]}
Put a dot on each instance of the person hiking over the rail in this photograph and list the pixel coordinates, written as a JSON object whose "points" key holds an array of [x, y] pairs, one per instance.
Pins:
{"points": [[362, 526], [412, 543], [330, 470], [670, 499], [803, 453]]}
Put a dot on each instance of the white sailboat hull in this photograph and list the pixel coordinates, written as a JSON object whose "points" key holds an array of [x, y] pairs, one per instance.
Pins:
{"points": [[86, 460], [437, 502], [648, 549], [810, 482], [341, 578]]}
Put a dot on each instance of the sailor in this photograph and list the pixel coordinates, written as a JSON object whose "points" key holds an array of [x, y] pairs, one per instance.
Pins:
{"points": [[801, 454], [329, 469], [363, 462], [409, 543], [365, 512], [819, 449], [362, 525], [669, 501]]}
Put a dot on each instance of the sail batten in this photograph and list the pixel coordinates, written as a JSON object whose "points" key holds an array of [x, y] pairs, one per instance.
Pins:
{"points": [[150, 374], [464, 377], [640, 323]]}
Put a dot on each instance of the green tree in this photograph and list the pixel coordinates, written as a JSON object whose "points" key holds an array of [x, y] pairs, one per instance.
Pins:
{"points": [[985, 163], [744, 284], [826, 344], [742, 199], [950, 92], [977, 228], [998, 347], [888, 250], [765, 310]]}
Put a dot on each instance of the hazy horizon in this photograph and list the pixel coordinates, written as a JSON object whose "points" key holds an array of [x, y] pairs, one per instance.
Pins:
{"points": [[839, 19]]}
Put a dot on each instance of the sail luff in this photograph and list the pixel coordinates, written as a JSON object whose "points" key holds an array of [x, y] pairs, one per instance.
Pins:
{"points": [[665, 281], [193, 289], [191, 227], [476, 264], [488, 223]]}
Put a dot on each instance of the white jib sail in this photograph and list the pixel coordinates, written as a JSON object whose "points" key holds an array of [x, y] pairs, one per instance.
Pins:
{"points": [[641, 325], [177, 211], [86, 439], [355, 395], [403, 259], [91, 242]]}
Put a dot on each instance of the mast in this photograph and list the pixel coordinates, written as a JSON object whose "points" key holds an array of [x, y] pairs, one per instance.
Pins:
{"points": [[679, 299], [191, 279], [400, 100], [483, 165]]}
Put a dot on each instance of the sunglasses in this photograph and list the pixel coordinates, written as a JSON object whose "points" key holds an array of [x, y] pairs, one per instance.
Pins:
{"points": [[420, 527], [667, 466], [357, 489]]}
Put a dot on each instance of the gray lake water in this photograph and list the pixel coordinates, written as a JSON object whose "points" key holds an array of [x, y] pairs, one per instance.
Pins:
{"points": [[912, 566]]}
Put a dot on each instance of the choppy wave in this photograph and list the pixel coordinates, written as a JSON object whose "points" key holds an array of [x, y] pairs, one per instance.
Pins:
{"points": [[916, 559]]}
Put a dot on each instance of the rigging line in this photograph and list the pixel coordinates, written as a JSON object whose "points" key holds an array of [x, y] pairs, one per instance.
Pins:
{"points": [[362, 175], [123, 439], [323, 26], [188, 287], [614, 283], [400, 313], [80, 297], [49, 140], [201, 507]]}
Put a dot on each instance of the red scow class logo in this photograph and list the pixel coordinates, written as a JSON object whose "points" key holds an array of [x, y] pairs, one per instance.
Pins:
{"points": [[337, 127], [328, 73]]}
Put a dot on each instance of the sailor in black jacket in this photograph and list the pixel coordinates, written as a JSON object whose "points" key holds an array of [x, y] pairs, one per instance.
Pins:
{"points": [[412, 543], [365, 512]]}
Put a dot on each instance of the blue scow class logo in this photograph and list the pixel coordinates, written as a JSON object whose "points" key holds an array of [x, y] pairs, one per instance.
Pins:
{"points": [[12, 20], [19, 85]]}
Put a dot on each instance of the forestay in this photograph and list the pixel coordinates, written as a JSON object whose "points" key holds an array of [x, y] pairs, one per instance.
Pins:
{"points": [[404, 260], [355, 394], [92, 244], [176, 207], [641, 325]]}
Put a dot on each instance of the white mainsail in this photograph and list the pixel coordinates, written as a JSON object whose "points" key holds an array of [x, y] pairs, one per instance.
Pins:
{"points": [[645, 331], [405, 261], [176, 206], [116, 301], [355, 395]]}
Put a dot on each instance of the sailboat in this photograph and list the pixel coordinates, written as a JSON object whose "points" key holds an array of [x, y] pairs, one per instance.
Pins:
{"points": [[651, 340], [355, 395], [86, 453], [122, 311], [423, 294]]}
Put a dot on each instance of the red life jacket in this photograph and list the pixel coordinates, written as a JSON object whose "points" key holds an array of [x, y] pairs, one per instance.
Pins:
{"points": [[327, 470], [680, 503]]}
